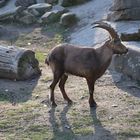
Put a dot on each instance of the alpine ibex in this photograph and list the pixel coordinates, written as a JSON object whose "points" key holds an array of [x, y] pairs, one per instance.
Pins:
{"points": [[85, 62]]}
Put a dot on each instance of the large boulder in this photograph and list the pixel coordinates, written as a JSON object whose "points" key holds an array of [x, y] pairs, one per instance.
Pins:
{"points": [[68, 19], [41, 8], [10, 14], [34, 12], [125, 10], [50, 17], [125, 4], [51, 1], [25, 3], [59, 9], [128, 64], [26, 18], [54, 15], [2, 3], [67, 3], [128, 14]]}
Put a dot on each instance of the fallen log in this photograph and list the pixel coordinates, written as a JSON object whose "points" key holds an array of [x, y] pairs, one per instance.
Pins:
{"points": [[17, 63]]}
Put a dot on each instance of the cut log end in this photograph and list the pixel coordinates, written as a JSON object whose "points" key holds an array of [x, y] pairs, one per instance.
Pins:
{"points": [[17, 63], [28, 66]]}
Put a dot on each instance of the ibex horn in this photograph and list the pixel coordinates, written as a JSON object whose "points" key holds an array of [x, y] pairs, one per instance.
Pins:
{"points": [[107, 27]]}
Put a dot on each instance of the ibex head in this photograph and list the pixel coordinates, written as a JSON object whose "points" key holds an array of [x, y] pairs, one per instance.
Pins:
{"points": [[115, 42]]}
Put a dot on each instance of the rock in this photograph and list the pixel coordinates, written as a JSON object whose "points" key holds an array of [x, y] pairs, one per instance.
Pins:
{"points": [[51, 1], [114, 105], [2, 3], [50, 17], [67, 126], [41, 8], [125, 10], [37, 96], [68, 19], [128, 14], [40, 1], [27, 18], [67, 3], [116, 76], [54, 15], [60, 8], [46, 106], [125, 4], [29, 43], [82, 97], [34, 12], [25, 3], [10, 13], [6, 90], [130, 36], [110, 118], [128, 64], [81, 1], [47, 1]]}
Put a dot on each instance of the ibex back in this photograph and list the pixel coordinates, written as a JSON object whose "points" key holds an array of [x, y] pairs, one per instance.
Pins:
{"points": [[85, 62]]}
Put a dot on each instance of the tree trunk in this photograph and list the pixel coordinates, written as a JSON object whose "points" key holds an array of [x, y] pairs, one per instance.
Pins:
{"points": [[17, 63]]}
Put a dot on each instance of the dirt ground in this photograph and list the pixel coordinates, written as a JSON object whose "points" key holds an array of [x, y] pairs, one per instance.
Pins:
{"points": [[26, 114]]}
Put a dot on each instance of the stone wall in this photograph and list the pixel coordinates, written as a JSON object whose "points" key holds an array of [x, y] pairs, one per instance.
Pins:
{"points": [[125, 10]]}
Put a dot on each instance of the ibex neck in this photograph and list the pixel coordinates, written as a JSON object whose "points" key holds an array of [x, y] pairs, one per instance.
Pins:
{"points": [[105, 54]]}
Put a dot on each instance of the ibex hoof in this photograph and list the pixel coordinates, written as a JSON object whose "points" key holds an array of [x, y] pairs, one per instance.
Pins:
{"points": [[70, 102], [53, 104], [93, 105]]}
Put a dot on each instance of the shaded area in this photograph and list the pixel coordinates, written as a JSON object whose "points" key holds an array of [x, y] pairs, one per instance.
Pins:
{"points": [[100, 132], [8, 34], [11, 33], [66, 131], [16, 91], [126, 84]]}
